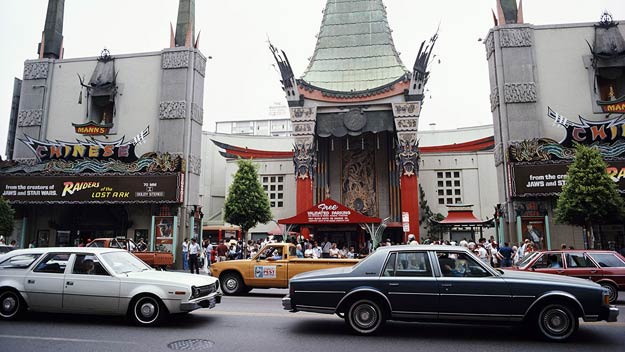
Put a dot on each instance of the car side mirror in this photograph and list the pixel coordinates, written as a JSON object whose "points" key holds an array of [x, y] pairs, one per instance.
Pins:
{"points": [[534, 267], [262, 256]]}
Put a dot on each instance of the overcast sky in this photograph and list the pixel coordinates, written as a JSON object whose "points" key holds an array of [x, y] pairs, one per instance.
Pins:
{"points": [[241, 81]]}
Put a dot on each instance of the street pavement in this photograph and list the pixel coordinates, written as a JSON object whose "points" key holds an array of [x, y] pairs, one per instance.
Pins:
{"points": [[257, 323]]}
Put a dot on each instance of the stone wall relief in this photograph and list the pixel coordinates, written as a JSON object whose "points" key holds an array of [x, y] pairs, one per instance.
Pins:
{"points": [[359, 180], [407, 153]]}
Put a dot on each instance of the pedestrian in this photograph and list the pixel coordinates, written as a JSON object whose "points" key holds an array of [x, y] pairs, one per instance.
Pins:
{"points": [[309, 253], [185, 254], [13, 244], [222, 251], [506, 253], [316, 250], [298, 251], [194, 251], [325, 248]]}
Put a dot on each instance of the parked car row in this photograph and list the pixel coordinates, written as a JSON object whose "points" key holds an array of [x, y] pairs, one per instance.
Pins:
{"points": [[408, 283]]}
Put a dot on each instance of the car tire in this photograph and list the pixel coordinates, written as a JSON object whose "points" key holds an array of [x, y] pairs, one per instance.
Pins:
{"points": [[11, 305], [613, 291], [365, 317], [147, 311], [232, 284], [556, 322]]}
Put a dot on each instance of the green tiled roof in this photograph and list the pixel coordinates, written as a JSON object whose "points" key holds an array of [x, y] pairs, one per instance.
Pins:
{"points": [[355, 50]]}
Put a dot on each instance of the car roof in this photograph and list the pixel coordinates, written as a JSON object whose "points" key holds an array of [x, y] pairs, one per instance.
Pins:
{"points": [[65, 250], [429, 247], [577, 251]]}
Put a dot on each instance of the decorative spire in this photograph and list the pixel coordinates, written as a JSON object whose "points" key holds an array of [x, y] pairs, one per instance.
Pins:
{"points": [[185, 26], [51, 46], [355, 50], [509, 12]]}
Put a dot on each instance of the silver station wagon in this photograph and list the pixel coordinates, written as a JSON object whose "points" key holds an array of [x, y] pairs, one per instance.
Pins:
{"points": [[98, 281], [447, 284]]}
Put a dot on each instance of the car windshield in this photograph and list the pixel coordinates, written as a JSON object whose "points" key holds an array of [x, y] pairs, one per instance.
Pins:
{"points": [[124, 262], [526, 259]]}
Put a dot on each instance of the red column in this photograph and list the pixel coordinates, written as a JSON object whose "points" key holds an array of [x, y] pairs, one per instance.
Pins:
{"points": [[410, 202], [304, 196]]}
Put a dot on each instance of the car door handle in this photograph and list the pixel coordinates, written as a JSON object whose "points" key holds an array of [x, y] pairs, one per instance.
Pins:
{"points": [[393, 284], [279, 265], [70, 283], [446, 285], [559, 271], [31, 281], [593, 271]]}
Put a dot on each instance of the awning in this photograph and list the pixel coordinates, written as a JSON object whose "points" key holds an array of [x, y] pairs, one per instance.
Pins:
{"points": [[329, 212]]}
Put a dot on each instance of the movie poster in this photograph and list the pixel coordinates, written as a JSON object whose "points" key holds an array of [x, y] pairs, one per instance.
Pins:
{"points": [[164, 233]]}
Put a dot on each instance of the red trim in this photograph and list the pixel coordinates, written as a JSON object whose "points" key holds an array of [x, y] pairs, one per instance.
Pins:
{"points": [[471, 146], [396, 89], [410, 203], [486, 143]]}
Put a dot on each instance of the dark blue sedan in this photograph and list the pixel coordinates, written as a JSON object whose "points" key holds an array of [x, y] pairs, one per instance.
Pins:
{"points": [[447, 284]]}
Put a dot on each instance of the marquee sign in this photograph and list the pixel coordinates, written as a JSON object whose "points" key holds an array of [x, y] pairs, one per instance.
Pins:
{"points": [[92, 129], [613, 106], [88, 149], [330, 212], [590, 132], [548, 179], [97, 189]]}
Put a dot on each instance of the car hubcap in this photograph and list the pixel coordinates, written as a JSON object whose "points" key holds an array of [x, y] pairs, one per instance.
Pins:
{"points": [[612, 292], [556, 321], [232, 284], [9, 305], [147, 311], [365, 316]]}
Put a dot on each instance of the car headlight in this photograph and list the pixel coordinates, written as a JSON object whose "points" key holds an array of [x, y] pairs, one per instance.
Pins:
{"points": [[194, 291]]}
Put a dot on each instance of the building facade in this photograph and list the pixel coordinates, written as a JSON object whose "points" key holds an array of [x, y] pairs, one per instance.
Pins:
{"points": [[553, 86], [107, 146]]}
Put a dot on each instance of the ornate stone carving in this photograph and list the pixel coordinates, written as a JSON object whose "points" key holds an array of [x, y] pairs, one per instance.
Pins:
{"points": [[36, 70], [494, 99], [197, 113], [359, 189], [498, 153], [195, 165], [200, 64], [520, 93], [407, 153], [175, 59], [172, 110], [304, 157], [518, 37], [407, 109], [489, 44], [26, 118], [544, 149], [303, 128], [303, 114], [354, 120], [407, 124]]}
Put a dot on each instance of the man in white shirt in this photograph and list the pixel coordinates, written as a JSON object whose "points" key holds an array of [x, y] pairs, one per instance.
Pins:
{"points": [[316, 250], [185, 254], [194, 251], [325, 248]]}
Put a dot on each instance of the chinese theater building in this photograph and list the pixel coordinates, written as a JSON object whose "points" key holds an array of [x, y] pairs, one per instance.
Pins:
{"points": [[354, 114], [554, 86], [107, 146]]}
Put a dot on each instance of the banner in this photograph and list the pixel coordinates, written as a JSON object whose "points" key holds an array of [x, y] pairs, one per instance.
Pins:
{"points": [[548, 179], [105, 189]]}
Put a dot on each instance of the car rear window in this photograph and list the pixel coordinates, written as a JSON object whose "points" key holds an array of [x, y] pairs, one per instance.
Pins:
{"points": [[21, 261], [607, 260]]}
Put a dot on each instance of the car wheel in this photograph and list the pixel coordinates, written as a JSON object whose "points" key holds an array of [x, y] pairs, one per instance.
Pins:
{"points": [[11, 305], [556, 322], [365, 316], [613, 291], [232, 283], [147, 310]]}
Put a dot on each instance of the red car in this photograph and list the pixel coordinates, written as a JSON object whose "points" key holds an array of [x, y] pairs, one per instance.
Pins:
{"points": [[606, 268]]}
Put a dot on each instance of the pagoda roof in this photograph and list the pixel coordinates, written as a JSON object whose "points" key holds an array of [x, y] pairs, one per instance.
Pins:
{"points": [[355, 52]]}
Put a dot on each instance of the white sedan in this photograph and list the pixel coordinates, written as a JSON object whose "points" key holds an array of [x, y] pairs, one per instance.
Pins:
{"points": [[98, 281]]}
